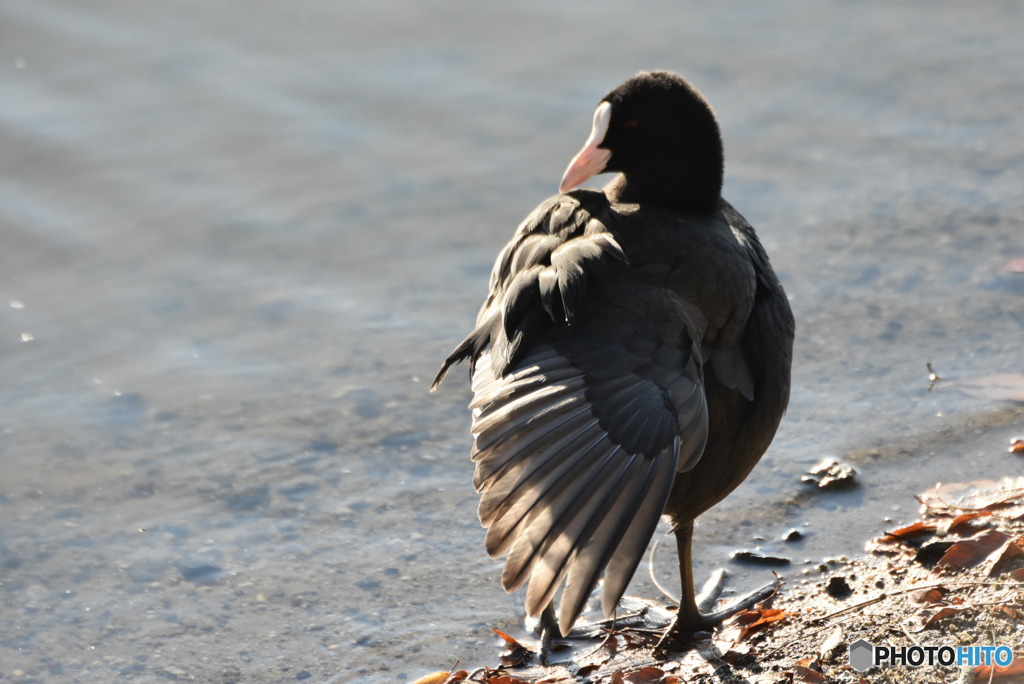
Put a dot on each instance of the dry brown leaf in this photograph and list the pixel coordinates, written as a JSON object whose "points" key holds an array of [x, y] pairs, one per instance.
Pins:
{"points": [[909, 537], [808, 671], [962, 524], [1015, 669], [734, 653], [931, 619], [1009, 611], [1017, 446], [931, 595], [746, 622], [435, 678], [646, 674], [971, 551], [910, 533], [509, 641], [617, 678], [1012, 549], [517, 654], [805, 675], [1017, 575], [634, 639]]}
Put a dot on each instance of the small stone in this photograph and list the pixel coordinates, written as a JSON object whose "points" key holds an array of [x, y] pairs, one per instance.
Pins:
{"points": [[829, 473], [838, 587], [758, 559]]}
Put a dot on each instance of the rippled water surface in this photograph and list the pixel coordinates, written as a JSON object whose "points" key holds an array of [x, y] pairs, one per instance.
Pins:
{"points": [[238, 238]]}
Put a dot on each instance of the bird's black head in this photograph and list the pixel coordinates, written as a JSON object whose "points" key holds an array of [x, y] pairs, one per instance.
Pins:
{"points": [[661, 134]]}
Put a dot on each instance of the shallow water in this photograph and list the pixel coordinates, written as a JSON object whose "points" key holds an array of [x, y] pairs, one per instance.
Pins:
{"points": [[238, 238]]}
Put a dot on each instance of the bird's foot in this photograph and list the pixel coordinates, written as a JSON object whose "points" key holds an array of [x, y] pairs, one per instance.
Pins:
{"points": [[639, 618], [701, 617], [639, 615], [547, 628]]}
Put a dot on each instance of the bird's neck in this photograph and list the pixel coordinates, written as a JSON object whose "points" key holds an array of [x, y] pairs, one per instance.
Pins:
{"points": [[695, 198]]}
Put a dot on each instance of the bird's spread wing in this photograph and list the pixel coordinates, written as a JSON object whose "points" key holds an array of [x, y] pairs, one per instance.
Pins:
{"points": [[582, 415], [542, 275]]}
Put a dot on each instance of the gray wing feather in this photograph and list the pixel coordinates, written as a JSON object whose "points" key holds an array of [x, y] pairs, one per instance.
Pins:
{"points": [[634, 542], [591, 558], [551, 556], [560, 494]]}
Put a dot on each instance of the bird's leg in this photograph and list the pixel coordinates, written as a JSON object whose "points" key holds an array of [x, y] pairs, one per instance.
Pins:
{"points": [[548, 631], [695, 611]]}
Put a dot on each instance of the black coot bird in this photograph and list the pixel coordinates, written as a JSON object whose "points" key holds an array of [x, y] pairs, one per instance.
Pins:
{"points": [[631, 361]]}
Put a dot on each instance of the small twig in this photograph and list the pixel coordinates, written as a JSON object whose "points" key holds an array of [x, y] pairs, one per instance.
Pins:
{"points": [[610, 634], [858, 606], [783, 645], [944, 503], [644, 630], [1000, 602], [992, 665], [909, 635], [471, 677]]}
